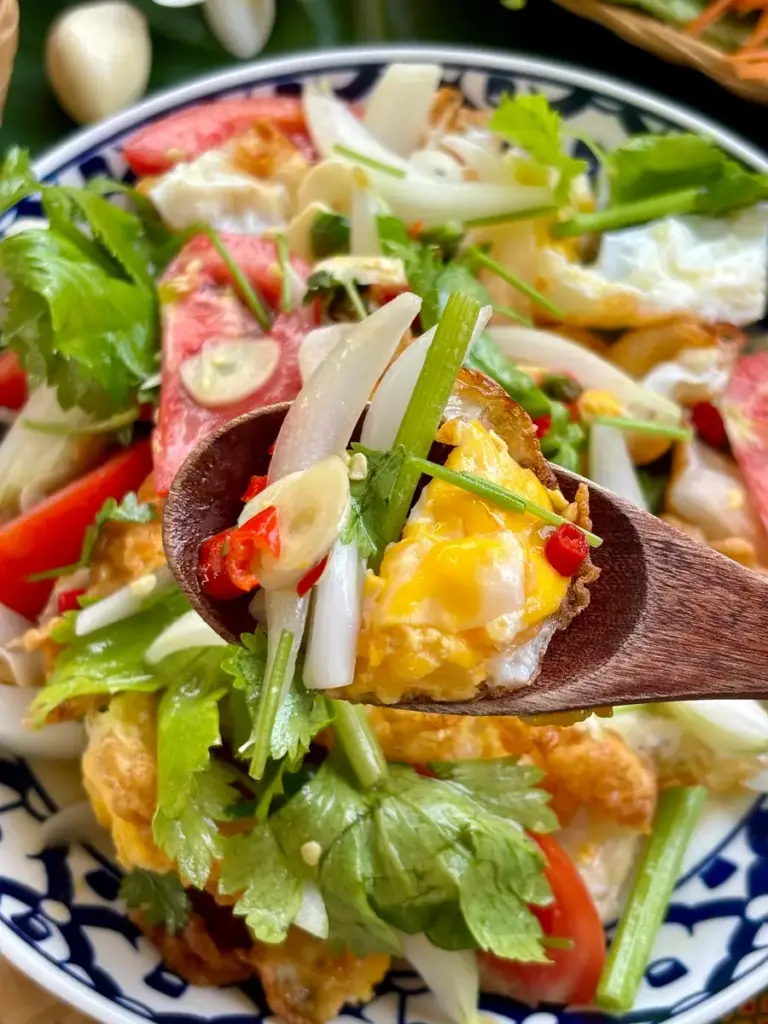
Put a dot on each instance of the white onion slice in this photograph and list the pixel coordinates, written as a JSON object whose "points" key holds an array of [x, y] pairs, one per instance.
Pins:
{"points": [[363, 223], [62, 741], [611, 466], [489, 166], [312, 916], [543, 348], [738, 727], [452, 976], [182, 635], [397, 114], [318, 345], [125, 602], [285, 611], [17, 667], [332, 646], [440, 165], [393, 394]]}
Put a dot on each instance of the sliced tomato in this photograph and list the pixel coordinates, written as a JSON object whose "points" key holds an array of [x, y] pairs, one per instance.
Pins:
{"points": [[573, 974], [51, 534], [745, 412], [199, 305], [188, 133], [13, 382]]}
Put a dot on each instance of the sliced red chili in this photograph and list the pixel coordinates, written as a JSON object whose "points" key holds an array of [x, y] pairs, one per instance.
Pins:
{"points": [[566, 549], [260, 534], [212, 569], [709, 424], [67, 601], [542, 424], [306, 583], [255, 487]]}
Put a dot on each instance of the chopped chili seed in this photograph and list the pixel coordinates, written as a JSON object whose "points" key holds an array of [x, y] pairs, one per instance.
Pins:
{"points": [[709, 424], [212, 569], [566, 549], [542, 424], [68, 600], [256, 486], [306, 583]]}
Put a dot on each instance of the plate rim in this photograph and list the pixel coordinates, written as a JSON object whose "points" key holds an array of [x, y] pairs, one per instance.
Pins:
{"points": [[27, 959]]}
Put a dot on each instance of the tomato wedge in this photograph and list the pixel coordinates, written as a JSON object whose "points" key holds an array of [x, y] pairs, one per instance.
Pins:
{"points": [[745, 412], [13, 382], [188, 133], [573, 974], [51, 534], [199, 305]]}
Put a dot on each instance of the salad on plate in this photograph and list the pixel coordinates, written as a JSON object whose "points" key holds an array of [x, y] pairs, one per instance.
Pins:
{"points": [[454, 304]]}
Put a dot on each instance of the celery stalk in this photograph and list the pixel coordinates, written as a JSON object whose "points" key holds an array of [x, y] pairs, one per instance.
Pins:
{"points": [[676, 816]]}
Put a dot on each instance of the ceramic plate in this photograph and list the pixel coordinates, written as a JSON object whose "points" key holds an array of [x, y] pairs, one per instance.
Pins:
{"points": [[60, 919]]}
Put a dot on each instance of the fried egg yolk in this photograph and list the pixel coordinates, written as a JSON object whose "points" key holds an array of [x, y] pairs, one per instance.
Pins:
{"points": [[467, 582]]}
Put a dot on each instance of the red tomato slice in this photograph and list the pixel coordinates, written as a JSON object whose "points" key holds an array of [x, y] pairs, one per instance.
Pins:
{"points": [[188, 133], [13, 382], [573, 974], [745, 412], [51, 534], [202, 307]]}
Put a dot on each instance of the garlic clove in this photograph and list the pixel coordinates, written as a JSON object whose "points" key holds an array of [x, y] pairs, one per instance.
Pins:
{"points": [[98, 58], [227, 371], [243, 27]]}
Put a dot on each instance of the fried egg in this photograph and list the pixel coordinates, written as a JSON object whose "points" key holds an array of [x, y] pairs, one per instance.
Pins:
{"points": [[467, 588]]}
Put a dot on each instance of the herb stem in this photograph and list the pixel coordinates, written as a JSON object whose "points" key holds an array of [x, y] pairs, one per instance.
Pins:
{"points": [[367, 161], [498, 495], [269, 705], [354, 297], [512, 314], [252, 300], [283, 256], [625, 215], [116, 422], [649, 427], [676, 816], [358, 741], [478, 256], [509, 218], [425, 408]]}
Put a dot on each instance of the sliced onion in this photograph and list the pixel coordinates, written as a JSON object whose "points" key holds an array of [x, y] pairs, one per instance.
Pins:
{"points": [[73, 824], [440, 165], [759, 782], [611, 466], [489, 166], [365, 270], [318, 345], [298, 234], [332, 646], [363, 223], [452, 976], [388, 406], [285, 612], [17, 666], [182, 635], [125, 602], [397, 114], [312, 916], [738, 727], [543, 348], [62, 741]]}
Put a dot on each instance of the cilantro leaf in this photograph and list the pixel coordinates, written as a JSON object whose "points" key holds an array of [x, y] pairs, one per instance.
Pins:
{"points": [[270, 895], [161, 899], [16, 178], [329, 235], [503, 787], [648, 165], [370, 498], [111, 659], [302, 713], [530, 123], [129, 510]]}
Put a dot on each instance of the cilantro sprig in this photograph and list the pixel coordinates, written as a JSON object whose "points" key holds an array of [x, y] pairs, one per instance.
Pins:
{"points": [[160, 898]]}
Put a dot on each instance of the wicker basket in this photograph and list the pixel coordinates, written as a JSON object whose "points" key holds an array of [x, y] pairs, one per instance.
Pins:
{"points": [[9, 37], [668, 42]]}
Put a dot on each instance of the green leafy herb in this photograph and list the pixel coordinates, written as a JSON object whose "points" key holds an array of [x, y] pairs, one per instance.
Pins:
{"points": [[16, 178], [393, 234], [370, 500], [339, 299], [561, 386], [284, 258], [160, 898], [447, 238], [111, 660], [503, 787], [253, 301], [530, 123], [329, 235], [485, 356], [129, 510], [650, 427], [654, 487], [477, 257]]}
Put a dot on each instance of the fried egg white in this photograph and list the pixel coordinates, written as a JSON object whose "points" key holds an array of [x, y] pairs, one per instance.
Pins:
{"points": [[714, 268], [467, 585]]}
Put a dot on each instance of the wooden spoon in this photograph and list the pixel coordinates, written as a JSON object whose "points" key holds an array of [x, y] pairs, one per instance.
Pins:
{"points": [[669, 618]]}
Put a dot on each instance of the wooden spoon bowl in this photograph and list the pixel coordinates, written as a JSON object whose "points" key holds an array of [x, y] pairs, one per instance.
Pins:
{"points": [[669, 619]]}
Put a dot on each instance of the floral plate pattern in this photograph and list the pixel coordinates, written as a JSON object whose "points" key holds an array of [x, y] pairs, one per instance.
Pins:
{"points": [[61, 920]]}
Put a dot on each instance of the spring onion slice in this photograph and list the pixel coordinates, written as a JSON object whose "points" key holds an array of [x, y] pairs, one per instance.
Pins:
{"points": [[358, 741], [283, 256], [246, 289], [651, 427], [512, 279], [512, 314], [116, 422], [368, 161], [354, 297], [626, 215], [676, 816], [509, 218], [269, 704]]}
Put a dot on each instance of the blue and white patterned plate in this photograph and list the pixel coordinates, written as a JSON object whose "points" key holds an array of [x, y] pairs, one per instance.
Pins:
{"points": [[60, 919]]}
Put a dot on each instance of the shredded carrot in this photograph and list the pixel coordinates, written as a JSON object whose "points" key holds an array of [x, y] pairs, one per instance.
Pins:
{"points": [[708, 16], [761, 31], [753, 72], [749, 61], [748, 57]]}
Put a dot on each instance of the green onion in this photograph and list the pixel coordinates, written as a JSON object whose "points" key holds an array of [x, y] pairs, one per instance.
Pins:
{"points": [[509, 218], [354, 297], [252, 300], [676, 816], [512, 279], [116, 422], [367, 161], [425, 408], [513, 315], [358, 741], [269, 705], [286, 298], [626, 215], [650, 427], [498, 495]]}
